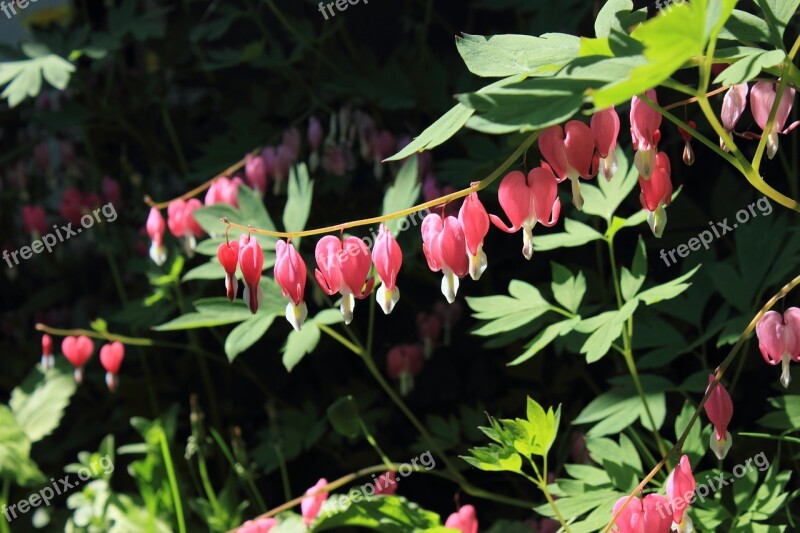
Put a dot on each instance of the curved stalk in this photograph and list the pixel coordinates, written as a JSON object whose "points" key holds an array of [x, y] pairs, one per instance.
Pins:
{"points": [[717, 378]]}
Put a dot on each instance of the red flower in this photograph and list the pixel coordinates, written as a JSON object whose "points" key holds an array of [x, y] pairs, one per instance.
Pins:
{"points": [[570, 156], [47, 352], [388, 257], [111, 356], [77, 350], [475, 222], [228, 255], [605, 130], [155, 229], [343, 267], [251, 262], [290, 273], [34, 221], [526, 202], [464, 520], [657, 194], [445, 250], [719, 408]]}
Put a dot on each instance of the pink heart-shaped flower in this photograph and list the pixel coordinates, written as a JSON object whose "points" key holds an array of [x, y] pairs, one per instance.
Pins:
{"points": [[111, 356], [77, 350]]}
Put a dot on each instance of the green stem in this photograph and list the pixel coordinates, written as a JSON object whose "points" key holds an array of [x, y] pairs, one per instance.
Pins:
{"points": [[627, 352], [173, 482], [335, 335], [374, 444], [212, 498], [240, 470], [4, 527]]}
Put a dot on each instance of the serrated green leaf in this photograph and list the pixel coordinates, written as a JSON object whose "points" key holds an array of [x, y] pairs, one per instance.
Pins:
{"points": [[437, 133], [576, 234], [505, 313], [38, 402], [299, 344], [300, 193], [506, 55], [632, 280], [667, 290], [544, 338]]}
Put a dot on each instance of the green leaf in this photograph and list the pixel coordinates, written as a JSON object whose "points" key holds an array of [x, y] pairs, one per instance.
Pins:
{"points": [[506, 55], [402, 193], [568, 290], [392, 514], [599, 343], [298, 202], [545, 337], [744, 26], [344, 417], [494, 458], [668, 290], [694, 446], [437, 133], [299, 344], [209, 217], [669, 41], [505, 313], [253, 213], [778, 13], [210, 312], [632, 280], [786, 416], [38, 402], [15, 452], [576, 234], [617, 16], [526, 106], [24, 78], [618, 408], [605, 198], [749, 67], [247, 333]]}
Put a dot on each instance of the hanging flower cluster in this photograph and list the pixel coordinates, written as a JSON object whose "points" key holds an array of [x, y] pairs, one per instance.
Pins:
{"points": [[79, 349]]}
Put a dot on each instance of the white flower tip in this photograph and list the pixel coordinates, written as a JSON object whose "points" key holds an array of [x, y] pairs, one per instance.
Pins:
{"points": [[786, 374], [296, 315], [387, 299], [348, 303], [527, 242], [78, 374], [772, 144], [609, 166], [577, 197], [657, 220], [477, 264], [158, 254], [721, 447], [111, 381], [449, 286]]}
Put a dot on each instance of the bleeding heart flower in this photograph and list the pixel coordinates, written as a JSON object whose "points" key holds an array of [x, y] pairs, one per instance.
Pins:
{"points": [[386, 485], [605, 130], [255, 171], [652, 514], [155, 229], [445, 250], [34, 221], [47, 352], [429, 327], [290, 273], [762, 98], [680, 491], [528, 201], [182, 224], [388, 257], [403, 362], [228, 255], [251, 263], [111, 356], [343, 267], [571, 156], [315, 135], [111, 190], [311, 505], [657, 194], [77, 350], [464, 520], [72, 205], [475, 221], [779, 340], [733, 106], [688, 153], [263, 525], [645, 134], [719, 408], [225, 191]]}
